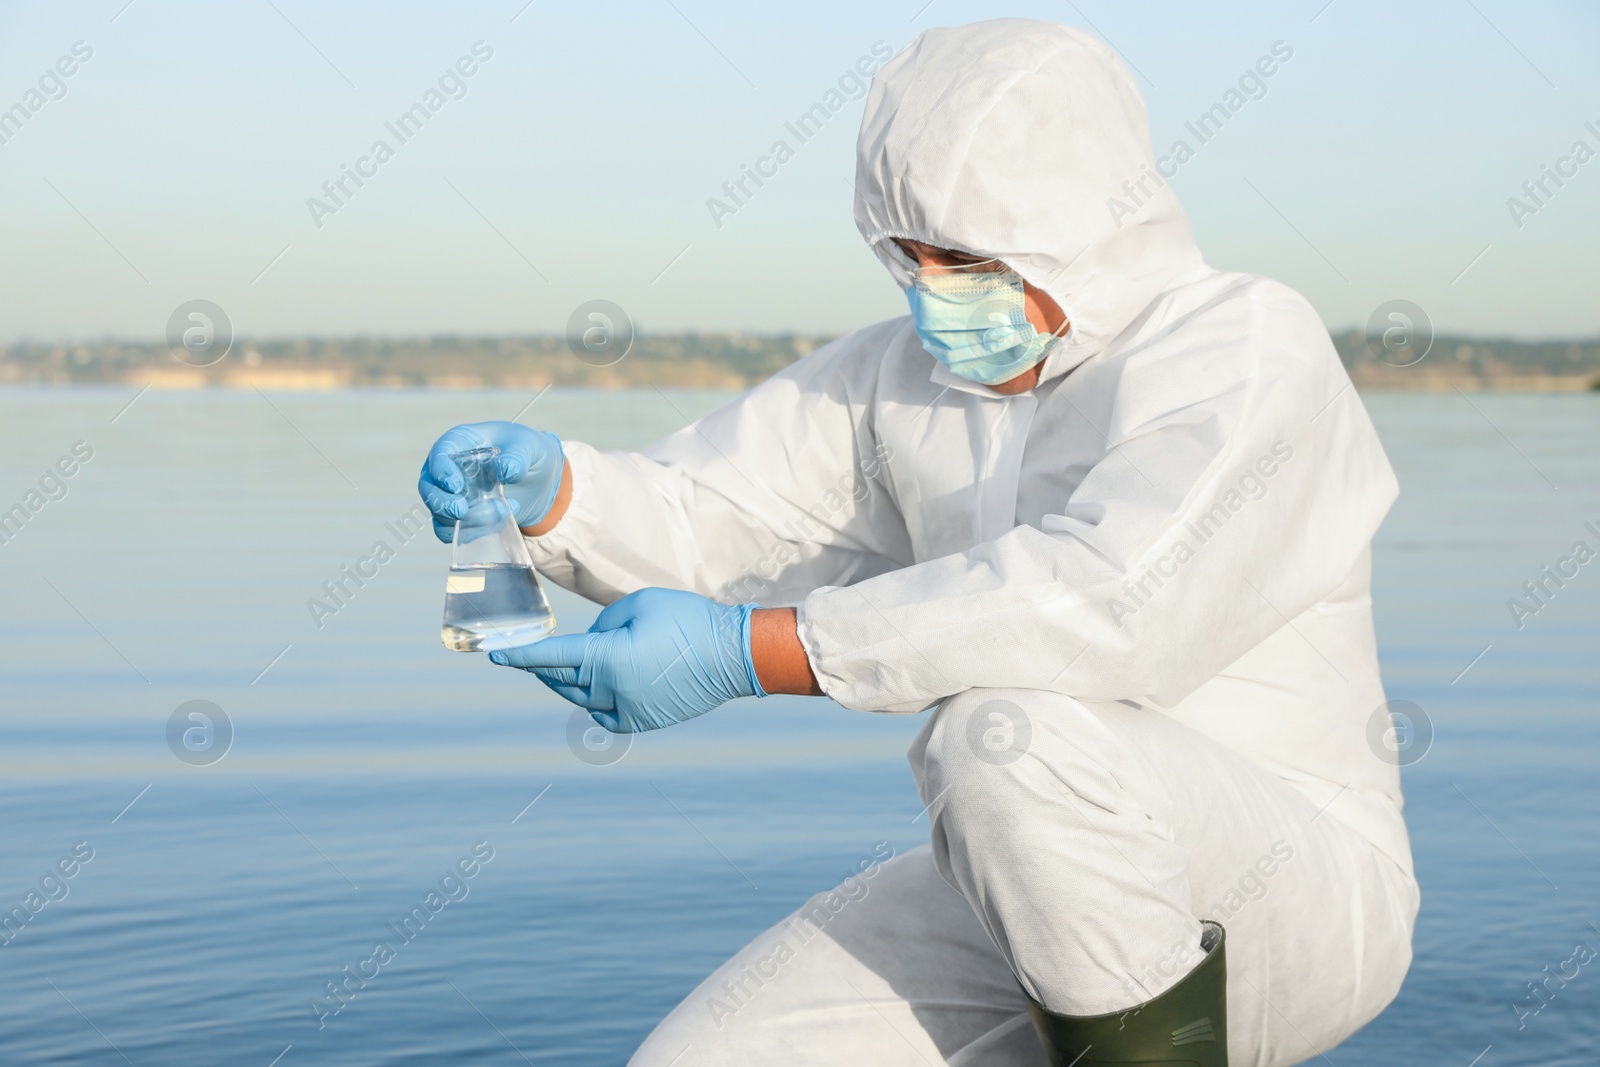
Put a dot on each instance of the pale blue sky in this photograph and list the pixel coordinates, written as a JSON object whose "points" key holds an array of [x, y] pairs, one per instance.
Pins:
{"points": [[179, 162]]}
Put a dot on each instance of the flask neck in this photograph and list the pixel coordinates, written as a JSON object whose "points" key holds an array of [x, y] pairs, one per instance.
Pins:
{"points": [[482, 479]]}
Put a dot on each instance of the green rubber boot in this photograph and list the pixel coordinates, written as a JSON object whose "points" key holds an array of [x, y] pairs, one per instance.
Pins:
{"points": [[1187, 1026]]}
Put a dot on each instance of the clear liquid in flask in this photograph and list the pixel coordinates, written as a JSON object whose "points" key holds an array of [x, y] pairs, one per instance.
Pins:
{"points": [[494, 607], [492, 597]]}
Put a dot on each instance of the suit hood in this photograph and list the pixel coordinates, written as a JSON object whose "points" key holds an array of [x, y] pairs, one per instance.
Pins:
{"points": [[1013, 139]]}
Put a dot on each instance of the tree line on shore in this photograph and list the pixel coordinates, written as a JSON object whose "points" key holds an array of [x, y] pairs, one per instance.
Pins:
{"points": [[725, 360]]}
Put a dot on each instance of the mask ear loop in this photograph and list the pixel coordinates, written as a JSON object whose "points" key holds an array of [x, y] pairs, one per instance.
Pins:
{"points": [[934, 270], [1057, 337], [1060, 332]]}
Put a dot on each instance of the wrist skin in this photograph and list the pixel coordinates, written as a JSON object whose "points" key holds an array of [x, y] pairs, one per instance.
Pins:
{"points": [[775, 650], [558, 507], [777, 654]]}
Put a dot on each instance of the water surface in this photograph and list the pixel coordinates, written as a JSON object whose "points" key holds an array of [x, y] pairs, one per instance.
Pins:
{"points": [[367, 760]]}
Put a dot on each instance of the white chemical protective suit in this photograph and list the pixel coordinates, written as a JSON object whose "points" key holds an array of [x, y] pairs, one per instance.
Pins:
{"points": [[1138, 594]]}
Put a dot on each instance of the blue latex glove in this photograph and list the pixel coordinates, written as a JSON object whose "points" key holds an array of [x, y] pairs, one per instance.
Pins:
{"points": [[529, 465], [653, 658]]}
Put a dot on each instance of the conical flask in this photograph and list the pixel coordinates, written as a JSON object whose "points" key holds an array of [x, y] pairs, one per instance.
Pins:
{"points": [[492, 597]]}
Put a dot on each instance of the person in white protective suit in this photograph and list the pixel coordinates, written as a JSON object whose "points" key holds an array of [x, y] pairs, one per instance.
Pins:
{"points": [[1108, 511]]}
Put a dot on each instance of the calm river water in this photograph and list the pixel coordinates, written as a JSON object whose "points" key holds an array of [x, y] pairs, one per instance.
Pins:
{"points": [[366, 761]]}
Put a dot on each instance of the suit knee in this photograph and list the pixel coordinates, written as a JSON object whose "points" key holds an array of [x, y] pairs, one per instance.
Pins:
{"points": [[1007, 751], [995, 731], [970, 756]]}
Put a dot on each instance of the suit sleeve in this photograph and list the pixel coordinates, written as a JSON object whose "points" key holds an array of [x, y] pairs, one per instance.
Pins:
{"points": [[1232, 496], [775, 494]]}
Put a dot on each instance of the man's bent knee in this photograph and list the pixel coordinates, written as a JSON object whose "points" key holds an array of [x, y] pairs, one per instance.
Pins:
{"points": [[997, 739]]}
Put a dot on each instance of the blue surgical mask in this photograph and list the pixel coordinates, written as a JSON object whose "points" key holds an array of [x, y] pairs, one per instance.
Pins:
{"points": [[976, 323]]}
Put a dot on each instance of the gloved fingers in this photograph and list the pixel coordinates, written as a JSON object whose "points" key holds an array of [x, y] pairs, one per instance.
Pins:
{"points": [[442, 503], [554, 676], [609, 720], [612, 616], [619, 613], [575, 694], [483, 516], [515, 459], [445, 507], [566, 651], [441, 469]]}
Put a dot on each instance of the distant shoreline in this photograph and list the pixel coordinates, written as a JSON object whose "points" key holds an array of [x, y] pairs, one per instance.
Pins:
{"points": [[684, 361]]}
